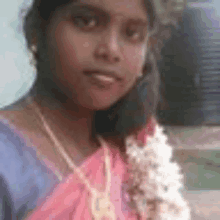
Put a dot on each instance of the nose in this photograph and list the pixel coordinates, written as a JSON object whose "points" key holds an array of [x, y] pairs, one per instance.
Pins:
{"points": [[108, 47]]}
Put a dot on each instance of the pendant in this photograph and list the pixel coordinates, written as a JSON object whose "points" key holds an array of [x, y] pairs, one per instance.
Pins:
{"points": [[102, 208]]}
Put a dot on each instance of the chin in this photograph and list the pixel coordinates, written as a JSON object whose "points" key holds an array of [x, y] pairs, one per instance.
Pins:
{"points": [[98, 105]]}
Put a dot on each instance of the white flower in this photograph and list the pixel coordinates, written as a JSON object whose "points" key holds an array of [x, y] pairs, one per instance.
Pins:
{"points": [[156, 176]]}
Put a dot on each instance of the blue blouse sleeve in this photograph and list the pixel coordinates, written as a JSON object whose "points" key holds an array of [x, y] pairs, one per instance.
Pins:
{"points": [[29, 180], [7, 210]]}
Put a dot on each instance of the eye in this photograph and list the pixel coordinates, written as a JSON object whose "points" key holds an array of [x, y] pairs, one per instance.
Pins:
{"points": [[85, 22], [135, 32]]}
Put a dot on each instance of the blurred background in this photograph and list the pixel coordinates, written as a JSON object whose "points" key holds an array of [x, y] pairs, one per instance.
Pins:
{"points": [[190, 67], [190, 71], [17, 75]]}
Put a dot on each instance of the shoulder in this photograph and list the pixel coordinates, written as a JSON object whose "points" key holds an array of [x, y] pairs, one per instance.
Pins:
{"points": [[26, 176]]}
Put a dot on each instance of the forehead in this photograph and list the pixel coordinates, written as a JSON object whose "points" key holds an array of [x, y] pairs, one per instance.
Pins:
{"points": [[126, 8]]}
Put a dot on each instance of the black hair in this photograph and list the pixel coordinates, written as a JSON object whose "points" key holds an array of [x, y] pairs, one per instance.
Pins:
{"points": [[131, 113]]}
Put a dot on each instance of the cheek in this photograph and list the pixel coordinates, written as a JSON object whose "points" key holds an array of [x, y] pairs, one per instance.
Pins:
{"points": [[135, 59], [71, 57], [69, 51], [72, 47]]}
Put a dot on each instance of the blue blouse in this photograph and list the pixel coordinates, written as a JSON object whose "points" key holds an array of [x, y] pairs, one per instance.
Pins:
{"points": [[28, 179]]}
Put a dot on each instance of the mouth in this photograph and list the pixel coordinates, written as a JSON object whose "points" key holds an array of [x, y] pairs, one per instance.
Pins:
{"points": [[107, 74], [102, 78]]}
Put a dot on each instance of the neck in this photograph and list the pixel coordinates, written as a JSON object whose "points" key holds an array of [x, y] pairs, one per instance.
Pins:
{"points": [[68, 121]]}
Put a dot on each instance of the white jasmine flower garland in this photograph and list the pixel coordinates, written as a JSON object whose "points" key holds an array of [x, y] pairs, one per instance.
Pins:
{"points": [[156, 181]]}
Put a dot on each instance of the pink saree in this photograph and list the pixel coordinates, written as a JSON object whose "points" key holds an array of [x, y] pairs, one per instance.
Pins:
{"points": [[70, 199]]}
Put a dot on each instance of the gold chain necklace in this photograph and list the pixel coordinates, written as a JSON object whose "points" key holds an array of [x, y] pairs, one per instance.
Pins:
{"points": [[100, 202]]}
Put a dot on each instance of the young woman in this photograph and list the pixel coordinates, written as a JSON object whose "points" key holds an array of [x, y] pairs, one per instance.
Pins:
{"points": [[88, 142]]}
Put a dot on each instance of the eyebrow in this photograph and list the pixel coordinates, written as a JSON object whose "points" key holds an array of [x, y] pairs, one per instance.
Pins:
{"points": [[139, 20]]}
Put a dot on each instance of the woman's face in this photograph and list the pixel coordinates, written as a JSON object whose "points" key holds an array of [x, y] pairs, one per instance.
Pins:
{"points": [[97, 49]]}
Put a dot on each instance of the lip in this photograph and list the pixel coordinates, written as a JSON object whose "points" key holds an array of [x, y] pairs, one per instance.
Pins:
{"points": [[103, 72]]}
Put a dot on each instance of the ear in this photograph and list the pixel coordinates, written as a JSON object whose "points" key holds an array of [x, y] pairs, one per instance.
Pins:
{"points": [[34, 42], [33, 51]]}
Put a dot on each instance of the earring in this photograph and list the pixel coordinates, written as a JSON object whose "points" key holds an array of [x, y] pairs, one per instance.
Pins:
{"points": [[31, 55], [34, 48], [140, 75]]}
